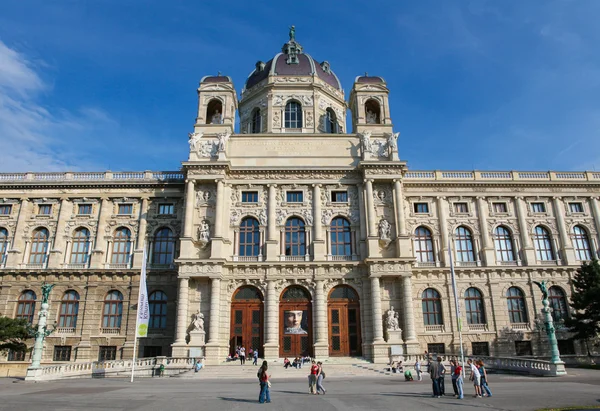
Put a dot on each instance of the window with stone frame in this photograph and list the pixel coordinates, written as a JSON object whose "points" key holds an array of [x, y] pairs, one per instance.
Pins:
{"points": [[341, 237], [158, 310], [107, 353], [500, 208], [474, 306], [26, 306], [62, 353], [295, 237], [249, 196], [80, 247], [581, 241], [166, 209], [538, 207], [121, 249], [558, 303], [256, 126], [503, 244], [69, 310], [45, 209], [523, 348], [113, 310], [339, 196], [480, 348], [5, 209], [125, 209], [543, 244], [423, 244], [84, 209], [249, 238], [461, 208], [39, 246], [163, 247], [294, 196], [517, 311], [421, 208], [293, 115], [16, 355], [152, 351], [463, 245], [576, 207], [566, 347], [436, 349], [432, 307]]}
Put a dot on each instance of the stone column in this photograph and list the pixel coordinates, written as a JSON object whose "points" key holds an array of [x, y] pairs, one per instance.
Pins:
{"points": [[100, 252], [487, 248], [528, 254], [182, 310], [372, 232], [361, 249], [272, 228], [410, 334], [15, 256], [321, 345], [399, 202], [59, 248], [219, 210], [188, 224], [376, 310], [568, 254], [441, 209], [271, 348], [596, 211], [215, 305], [143, 224], [318, 240]]}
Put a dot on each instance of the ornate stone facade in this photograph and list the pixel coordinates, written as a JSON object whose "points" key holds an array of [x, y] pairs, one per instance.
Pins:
{"points": [[293, 215]]}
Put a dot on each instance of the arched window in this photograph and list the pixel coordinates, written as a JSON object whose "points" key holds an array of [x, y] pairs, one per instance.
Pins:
{"points": [[113, 310], [163, 247], [463, 243], [432, 307], [158, 310], [543, 244], [343, 292], [256, 121], [39, 246], [331, 125], [214, 112], [80, 249], [121, 246], [249, 237], [293, 115], [558, 302], [516, 305], [582, 243], [3, 245], [341, 240], [372, 112], [69, 308], [504, 245], [424, 245], [295, 237], [474, 306], [26, 306]]}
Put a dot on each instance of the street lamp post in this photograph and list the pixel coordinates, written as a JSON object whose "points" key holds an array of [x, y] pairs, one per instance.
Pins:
{"points": [[557, 364], [41, 333]]}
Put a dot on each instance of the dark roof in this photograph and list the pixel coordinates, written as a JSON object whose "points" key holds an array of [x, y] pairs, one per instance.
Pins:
{"points": [[216, 79], [369, 79], [258, 76]]}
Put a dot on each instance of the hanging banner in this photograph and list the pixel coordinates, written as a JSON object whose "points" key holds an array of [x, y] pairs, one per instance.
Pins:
{"points": [[143, 310]]}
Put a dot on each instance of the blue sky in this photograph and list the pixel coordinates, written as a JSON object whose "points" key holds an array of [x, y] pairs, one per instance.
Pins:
{"points": [[490, 85]]}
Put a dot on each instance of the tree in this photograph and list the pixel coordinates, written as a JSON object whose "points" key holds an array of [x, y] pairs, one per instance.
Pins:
{"points": [[13, 332], [585, 321]]}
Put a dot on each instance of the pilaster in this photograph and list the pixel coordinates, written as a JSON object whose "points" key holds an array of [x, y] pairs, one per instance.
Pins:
{"points": [[528, 252], [217, 246], [487, 249], [410, 334], [100, 245], [318, 240], [180, 346], [59, 248], [141, 237], [213, 348], [321, 345], [566, 248], [271, 314], [403, 245], [17, 249], [442, 216]]}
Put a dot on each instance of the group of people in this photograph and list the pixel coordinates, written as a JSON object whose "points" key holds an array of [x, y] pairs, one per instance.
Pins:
{"points": [[315, 380], [240, 354], [297, 363], [437, 371]]}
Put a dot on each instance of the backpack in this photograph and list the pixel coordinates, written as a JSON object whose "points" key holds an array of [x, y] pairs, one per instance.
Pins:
{"points": [[323, 374]]}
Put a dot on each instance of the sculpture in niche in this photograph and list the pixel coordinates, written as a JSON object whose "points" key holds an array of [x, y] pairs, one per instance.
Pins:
{"points": [[198, 322], [392, 141], [391, 320], [327, 217], [223, 137], [381, 195], [365, 138], [207, 149], [216, 118], [203, 233], [276, 119], [262, 216], [193, 139], [371, 117], [384, 229]]}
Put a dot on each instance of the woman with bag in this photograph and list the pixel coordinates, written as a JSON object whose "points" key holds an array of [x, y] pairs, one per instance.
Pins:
{"points": [[484, 385], [320, 378], [312, 378], [265, 384]]}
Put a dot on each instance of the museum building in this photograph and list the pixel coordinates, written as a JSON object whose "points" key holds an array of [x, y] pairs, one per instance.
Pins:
{"points": [[295, 236]]}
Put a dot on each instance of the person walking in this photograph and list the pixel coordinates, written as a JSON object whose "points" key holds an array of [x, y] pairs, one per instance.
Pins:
{"points": [[418, 370], [484, 385], [457, 380], [265, 383], [242, 355], [320, 378], [312, 378], [476, 378], [442, 367], [255, 357], [434, 373]]}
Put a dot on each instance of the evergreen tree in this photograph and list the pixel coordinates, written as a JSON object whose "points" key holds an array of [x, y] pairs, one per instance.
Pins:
{"points": [[585, 321], [13, 332]]}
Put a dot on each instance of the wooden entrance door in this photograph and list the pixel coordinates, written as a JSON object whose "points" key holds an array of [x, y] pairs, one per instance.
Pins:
{"points": [[344, 323], [295, 323], [246, 320]]}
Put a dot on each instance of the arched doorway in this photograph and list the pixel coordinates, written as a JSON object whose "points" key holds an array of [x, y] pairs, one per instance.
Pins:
{"points": [[295, 315], [344, 322], [246, 319]]}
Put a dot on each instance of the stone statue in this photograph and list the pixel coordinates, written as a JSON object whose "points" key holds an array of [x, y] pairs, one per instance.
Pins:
{"points": [[198, 322], [204, 232], [216, 118], [46, 288], [384, 229], [392, 140], [293, 33], [193, 139], [262, 217], [366, 141], [371, 117], [544, 289], [391, 320], [223, 137]]}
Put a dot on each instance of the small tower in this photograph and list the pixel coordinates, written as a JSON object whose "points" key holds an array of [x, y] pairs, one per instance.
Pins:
{"points": [[370, 106], [217, 104]]}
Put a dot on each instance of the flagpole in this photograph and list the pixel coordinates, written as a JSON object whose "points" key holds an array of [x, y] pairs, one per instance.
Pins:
{"points": [[456, 306], [141, 309]]}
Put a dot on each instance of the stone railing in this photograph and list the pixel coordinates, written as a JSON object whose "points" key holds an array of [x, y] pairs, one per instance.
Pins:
{"points": [[524, 366], [157, 176], [144, 367], [503, 175]]}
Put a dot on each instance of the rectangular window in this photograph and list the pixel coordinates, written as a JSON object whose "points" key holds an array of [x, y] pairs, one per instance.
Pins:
{"points": [[249, 196], [45, 209], [152, 351], [421, 207], [538, 207], [125, 209], [166, 209], [566, 347], [523, 348], [84, 209], [16, 355], [294, 196], [107, 353], [500, 208], [575, 207], [339, 196], [435, 349], [62, 353], [480, 348], [461, 207], [5, 209]]}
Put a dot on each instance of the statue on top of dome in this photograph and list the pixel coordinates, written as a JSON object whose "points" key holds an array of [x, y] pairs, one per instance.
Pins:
{"points": [[293, 33]]}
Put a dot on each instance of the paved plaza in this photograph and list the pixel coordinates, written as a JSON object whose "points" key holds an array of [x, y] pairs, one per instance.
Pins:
{"points": [[580, 388]]}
